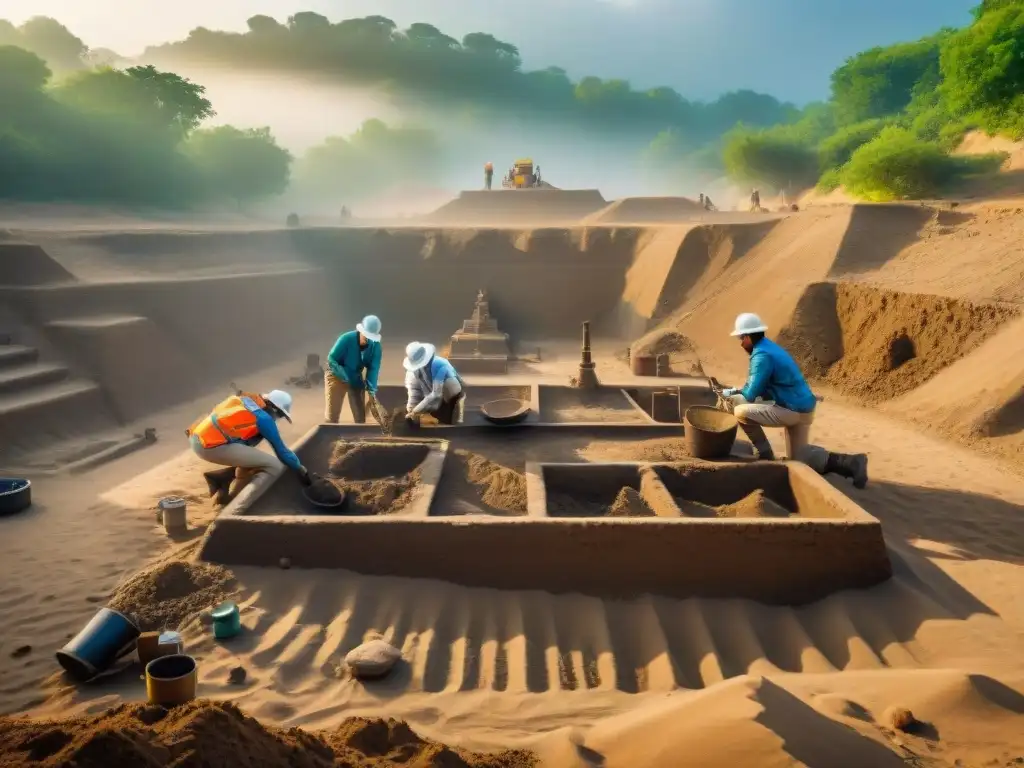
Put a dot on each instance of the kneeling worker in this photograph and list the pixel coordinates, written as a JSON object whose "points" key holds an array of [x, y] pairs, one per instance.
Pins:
{"points": [[353, 365], [432, 384], [230, 434], [785, 401]]}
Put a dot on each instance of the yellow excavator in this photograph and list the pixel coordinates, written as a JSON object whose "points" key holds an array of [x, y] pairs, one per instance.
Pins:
{"points": [[522, 176]]}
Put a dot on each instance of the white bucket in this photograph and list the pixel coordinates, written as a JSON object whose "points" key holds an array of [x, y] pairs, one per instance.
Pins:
{"points": [[173, 514]]}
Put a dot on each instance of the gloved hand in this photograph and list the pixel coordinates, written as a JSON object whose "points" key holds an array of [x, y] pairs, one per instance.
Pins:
{"points": [[411, 421], [729, 392], [305, 477]]}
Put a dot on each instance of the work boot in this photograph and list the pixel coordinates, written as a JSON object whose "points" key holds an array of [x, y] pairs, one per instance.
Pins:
{"points": [[218, 479], [755, 434], [852, 466]]}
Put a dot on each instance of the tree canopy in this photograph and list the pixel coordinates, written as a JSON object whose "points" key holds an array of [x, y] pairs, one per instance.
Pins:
{"points": [[479, 69]]}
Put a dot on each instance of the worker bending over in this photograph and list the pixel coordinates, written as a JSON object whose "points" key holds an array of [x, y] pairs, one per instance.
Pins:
{"points": [[353, 365], [432, 384], [776, 395], [230, 433]]}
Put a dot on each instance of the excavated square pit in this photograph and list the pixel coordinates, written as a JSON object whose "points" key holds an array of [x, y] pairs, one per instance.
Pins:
{"points": [[627, 528]]}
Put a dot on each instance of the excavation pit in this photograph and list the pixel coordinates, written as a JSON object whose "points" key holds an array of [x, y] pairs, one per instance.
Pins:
{"points": [[605, 405], [826, 543]]}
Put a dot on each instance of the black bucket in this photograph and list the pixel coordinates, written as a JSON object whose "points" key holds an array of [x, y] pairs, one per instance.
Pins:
{"points": [[324, 494], [105, 639], [709, 433]]}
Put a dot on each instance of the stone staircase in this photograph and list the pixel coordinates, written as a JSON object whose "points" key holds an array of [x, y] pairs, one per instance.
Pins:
{"points": [[42, 402]]}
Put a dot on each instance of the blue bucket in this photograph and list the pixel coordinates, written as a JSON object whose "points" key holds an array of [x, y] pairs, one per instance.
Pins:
{"points": [[15, 495], [227, 621], [106, 638]]}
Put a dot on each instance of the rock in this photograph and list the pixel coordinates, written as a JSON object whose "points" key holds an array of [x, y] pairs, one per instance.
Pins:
{"points": [[20, 651], [285, 563], [373, 659], [237, 675], [899, 718]]}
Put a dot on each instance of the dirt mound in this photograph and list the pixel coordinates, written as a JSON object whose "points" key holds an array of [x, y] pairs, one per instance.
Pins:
{"points": [[166, 596], [503, 488], [629, 503], [378, 497], [757, 504], [878, 344], [218, 733], [369, 461], [641, 210], [520, 206], [682, 353], [667, 449]]}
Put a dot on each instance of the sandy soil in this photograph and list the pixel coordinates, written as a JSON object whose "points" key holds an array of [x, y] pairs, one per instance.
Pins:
{"points": [[583, 680]]}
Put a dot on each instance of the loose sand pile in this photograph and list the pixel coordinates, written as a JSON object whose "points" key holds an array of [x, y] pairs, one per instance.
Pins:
{"points": [[379, 478], [594, 406], [682, 353], [666, 449], [756, 504], [503, 488], [206, 733], [879, 344], [629, 503], [167, 595]]}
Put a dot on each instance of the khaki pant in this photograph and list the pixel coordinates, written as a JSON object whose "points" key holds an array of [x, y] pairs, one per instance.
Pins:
{"points": [[335, 391], [238, 455], [797, 426]]}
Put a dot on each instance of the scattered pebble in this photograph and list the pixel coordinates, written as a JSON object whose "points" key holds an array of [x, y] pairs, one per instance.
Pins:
{"points": [[237, 675], [286, 563], [20, 651]]}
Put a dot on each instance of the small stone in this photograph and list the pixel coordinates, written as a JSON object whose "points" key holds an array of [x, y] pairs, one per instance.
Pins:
{"points": [[899, 718], [372, 659], [20, 651], [285, 562], [237, 675]]}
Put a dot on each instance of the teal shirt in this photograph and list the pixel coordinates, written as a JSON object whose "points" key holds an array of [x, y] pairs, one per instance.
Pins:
{"points": [[348, 361]]}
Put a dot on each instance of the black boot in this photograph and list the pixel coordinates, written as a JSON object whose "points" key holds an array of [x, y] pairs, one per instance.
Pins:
{"points": [[852, 466], [219, 479], [762, 448]]}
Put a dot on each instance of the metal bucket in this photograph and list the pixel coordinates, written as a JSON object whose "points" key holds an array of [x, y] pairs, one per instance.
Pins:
{"points": [[106, 638], [709, 432], [227, 621], [15, 495], [171, 680]]}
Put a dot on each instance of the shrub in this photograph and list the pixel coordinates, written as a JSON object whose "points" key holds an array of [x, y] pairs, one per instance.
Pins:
{"points": [[836, 150], [896, 165]]}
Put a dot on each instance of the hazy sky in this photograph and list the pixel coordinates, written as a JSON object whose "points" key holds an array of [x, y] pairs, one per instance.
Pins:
{"points": [[700, 47]]}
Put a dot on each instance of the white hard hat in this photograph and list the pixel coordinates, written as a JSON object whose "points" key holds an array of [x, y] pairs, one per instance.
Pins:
{"points": [[282, 401], [417, 355], [748, 323], [370, 327]]}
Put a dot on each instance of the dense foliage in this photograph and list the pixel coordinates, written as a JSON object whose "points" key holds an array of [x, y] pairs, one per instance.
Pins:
{"points": [[896, 113], [423, 62]]}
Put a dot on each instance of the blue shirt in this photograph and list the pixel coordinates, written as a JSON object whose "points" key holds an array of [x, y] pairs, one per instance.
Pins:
{"points": [[348, 361], [774, 375]]}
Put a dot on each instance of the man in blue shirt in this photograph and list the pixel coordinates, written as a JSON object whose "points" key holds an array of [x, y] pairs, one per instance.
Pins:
{"points": [[776, 395], [353, 365], [432, 384]]}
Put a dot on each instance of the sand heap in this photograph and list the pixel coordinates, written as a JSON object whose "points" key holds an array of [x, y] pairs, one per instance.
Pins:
{"points": [[206, 733], [756, 504], [502, 488], [168, 595], [683, 359], [379, 478], [629, 503]]}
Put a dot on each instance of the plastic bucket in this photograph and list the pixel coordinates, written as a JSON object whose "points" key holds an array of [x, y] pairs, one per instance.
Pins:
{"points": [[106, 638], [173, 513], [171, 680], [708, 432], [15, 495], [227, 621]]}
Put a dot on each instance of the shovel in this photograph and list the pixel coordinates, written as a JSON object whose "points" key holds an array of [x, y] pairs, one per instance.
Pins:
{"points": [[380, 415]]}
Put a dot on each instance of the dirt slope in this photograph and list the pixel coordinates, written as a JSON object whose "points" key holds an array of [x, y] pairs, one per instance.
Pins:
{"points": [[646, 210]]}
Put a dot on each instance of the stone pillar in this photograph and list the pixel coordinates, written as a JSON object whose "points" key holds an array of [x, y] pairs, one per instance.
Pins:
{"points": [[588, 374]]}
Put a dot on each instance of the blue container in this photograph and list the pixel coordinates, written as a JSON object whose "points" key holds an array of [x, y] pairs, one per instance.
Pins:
{"points": [[227, 622], [15, 495], [106, 638]]}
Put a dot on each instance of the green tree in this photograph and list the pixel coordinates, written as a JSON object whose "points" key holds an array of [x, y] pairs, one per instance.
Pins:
{"points": [[837, 149], [983, 69], [881, 81], [21, 70], [764, 157], [897, 165], [240, 164], [52, 41], [179, 101]]}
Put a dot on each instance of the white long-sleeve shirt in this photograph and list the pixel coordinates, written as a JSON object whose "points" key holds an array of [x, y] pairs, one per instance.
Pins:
{"points": [[425, 387]]}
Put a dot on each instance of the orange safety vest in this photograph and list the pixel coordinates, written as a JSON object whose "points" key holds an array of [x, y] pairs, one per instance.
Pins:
{"points": [[234, 418]]}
